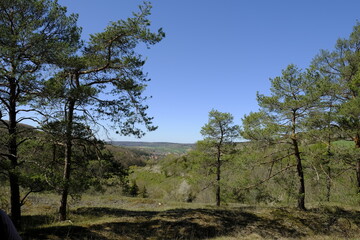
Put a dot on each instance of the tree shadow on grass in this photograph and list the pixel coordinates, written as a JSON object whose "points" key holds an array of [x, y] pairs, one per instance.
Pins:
{"points": [[184, 223], [113, 223], [170, 224], [62, 233], [33, 221]]}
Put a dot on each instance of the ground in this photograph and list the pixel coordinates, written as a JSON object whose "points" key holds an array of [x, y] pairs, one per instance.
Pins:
{"points": [[113, 217]]}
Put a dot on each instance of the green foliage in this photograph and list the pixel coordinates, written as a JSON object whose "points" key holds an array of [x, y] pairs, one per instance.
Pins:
{"points": [[109, 65], [35, 35], [156, 183], [341, 68], [102, 79], [95, 168], [260, 127], [283, 118], [220, 128]]}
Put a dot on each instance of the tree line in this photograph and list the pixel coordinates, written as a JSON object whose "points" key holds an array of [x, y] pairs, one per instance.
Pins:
{"points": [[304, 119], [66, 86]]}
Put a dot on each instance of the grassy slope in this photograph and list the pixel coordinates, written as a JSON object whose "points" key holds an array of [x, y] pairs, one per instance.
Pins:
{"points": [[110, 217]]}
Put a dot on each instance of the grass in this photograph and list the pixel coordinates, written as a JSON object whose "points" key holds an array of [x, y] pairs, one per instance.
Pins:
{"points": [[108, 217]]}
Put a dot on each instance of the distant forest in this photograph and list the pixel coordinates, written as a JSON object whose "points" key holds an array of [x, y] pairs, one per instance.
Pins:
{"points": [[158, 148]]}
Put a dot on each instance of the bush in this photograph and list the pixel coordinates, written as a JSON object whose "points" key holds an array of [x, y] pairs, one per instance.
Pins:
{"points": [[134, 190]]}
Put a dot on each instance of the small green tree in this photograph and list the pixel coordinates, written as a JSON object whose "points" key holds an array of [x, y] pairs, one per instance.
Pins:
{"points": [[144, 193], [134, 189], [219, 134]]}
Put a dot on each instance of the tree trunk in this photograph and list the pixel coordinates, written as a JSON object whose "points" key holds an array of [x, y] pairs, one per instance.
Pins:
{"points": [[328, 169], [300, 172], [218, 172], [328, 183], [218, 166], [67, 163], [15, 200], [357, 145], [13, 157]]}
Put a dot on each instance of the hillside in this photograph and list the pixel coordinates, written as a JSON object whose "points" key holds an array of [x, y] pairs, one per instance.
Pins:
{"points": [[156, 148]]}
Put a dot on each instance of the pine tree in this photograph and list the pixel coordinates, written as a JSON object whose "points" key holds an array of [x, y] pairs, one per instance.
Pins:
{"points": [[341, 68], [103, 81], [282, 117], [34, 34], [219, 133]]}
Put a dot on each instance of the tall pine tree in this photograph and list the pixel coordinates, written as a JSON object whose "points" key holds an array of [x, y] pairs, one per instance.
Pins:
{"points": [[103, 81], [34, 34], [282, 116]]}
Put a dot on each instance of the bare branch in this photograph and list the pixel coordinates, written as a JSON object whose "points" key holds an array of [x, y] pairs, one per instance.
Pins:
{"points": [[23, 200]]}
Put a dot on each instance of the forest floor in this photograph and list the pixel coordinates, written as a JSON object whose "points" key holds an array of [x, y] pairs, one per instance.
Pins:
{"points": [[110, 217]]}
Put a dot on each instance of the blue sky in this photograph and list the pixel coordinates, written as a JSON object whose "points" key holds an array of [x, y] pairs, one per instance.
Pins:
{"points": [[218, 54]]}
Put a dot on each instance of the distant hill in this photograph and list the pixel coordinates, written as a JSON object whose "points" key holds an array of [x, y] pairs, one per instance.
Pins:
{"points": [[21, 125], [156, 148]]}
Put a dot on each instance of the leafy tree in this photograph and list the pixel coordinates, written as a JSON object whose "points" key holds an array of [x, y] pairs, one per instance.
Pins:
{"points": [[95, 165], [219, 134], [34, 34], [282, 117], [341, 67], [104, 81]]}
